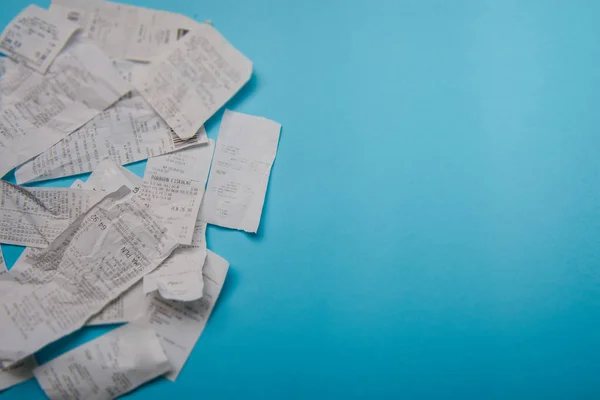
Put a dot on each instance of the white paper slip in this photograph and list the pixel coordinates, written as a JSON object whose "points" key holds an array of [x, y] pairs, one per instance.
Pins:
{"points": [[179, 325], [106, 367], [108, 177], [244, 154], [127, 132], [179, 277], [125, 31], [173, 187], [36, 216], [190, 83], [98, 257], [44, 109], [35, 37], [20, 372]]}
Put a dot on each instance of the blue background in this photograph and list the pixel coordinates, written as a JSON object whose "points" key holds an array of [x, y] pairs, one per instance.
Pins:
{"points": [[432, 221]]}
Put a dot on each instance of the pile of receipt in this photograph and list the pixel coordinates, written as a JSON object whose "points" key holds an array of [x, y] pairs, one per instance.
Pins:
{"points": [[89, 86]]}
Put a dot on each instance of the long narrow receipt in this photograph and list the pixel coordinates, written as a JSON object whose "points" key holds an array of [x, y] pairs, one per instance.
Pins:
{"points": [[44, 109], [125, 31], [106, 367], [35, 37], [173, 187], [179, 325], [36, 216], [190, 83], [246, 149], [102, 254], [108, 177], [127, 132]]}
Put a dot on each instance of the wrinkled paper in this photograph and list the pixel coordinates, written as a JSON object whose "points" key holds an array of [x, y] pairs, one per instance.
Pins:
{"points": [[127, 132], [123, 30], [40, 110], [179, 325], [102, 254], [106, 367], [188, 84], [173, 187], [244, 154], [35, 37]]}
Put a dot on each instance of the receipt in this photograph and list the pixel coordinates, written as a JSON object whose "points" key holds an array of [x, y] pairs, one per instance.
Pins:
{"points": [[106, 367], [245, 151], [36, 216], [44, 109], [98, 257], [35, 37], [179, 325], [173, 187], [188, 84], [108, 177], [125, 31], [127, 132]]}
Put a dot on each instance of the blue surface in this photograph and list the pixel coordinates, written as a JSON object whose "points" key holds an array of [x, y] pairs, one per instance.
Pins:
{"points": [[431, 222]]}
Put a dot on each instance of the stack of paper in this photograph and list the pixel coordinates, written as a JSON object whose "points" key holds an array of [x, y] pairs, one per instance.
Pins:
{"points": [[90, 86]]}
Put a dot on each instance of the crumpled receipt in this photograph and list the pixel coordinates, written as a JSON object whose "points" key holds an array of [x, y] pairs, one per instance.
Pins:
{"points": [[39, 110], [188, 84], [179, 325], [241, 166], [98, 257], [35, 37], [124, 30], [106, 367], [128, 131], [173, 187]]}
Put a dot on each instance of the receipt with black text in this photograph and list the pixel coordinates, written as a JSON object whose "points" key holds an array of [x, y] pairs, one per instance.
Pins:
{"points": [[127, 132], [173, 187], [244, 154], [188, 84], [106, 367], [44, 109], [108, 177], [98, 257], [123, 30], [35, 37], [179, 325]]}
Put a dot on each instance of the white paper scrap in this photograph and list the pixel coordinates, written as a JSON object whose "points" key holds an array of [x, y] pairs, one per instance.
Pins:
{"points": [[245, 152], [127, 132], [43, 109], [36, 216], [108, 177], [35, 37], [179, 277], [189, 84], [98, 257], [125, 31], [179, 325], [106, 367], [173, 187]]}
